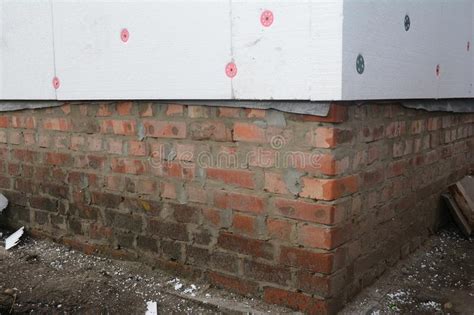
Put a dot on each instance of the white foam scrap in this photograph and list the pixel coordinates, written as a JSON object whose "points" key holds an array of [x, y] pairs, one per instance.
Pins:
{"points": [[3, 202], [151, 308], [13, 239]]}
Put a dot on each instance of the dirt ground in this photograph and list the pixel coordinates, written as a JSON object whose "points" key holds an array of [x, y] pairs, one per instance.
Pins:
{"points": [[436, 279], [42, 277]]}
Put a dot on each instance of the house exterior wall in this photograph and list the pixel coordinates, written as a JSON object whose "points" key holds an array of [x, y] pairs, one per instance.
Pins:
{"points": [[300, 210]]}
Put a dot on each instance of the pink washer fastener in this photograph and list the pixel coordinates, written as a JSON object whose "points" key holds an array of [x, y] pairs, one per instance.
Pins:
{"points": [[231, 70], [266, 18], [124, 35], [56, 83]]}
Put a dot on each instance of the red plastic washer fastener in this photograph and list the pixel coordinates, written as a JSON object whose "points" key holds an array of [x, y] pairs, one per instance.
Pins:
{"points": [[266, 18], [56, 83], [231, 70], [124, 35]]}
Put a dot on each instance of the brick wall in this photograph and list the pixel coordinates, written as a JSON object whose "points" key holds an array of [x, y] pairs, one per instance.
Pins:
{"points": [[300, 210]]}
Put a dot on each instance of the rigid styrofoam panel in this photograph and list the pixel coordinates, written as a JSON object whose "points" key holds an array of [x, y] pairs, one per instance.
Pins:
{"points": [[27, 55], [326, 49], [176, 49], [455, 31], [398, 63], [272, 58]]}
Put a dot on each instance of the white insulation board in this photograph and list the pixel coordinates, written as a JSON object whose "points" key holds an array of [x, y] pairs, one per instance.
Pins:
{"points": [[236, 49]]}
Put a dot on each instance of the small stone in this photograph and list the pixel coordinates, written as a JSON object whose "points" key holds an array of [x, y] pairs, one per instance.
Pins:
{"points": [[448, 305], [9, 292]]}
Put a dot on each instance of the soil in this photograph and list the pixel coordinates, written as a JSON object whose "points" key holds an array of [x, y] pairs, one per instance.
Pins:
{"points": [[42, 277], [436, 279]]}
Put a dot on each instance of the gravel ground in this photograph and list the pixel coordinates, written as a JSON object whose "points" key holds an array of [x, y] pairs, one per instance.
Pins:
{"points": [[437, 279], [41, 277]]}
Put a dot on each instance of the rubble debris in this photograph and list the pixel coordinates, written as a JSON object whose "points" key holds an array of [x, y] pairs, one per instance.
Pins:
{"points": [[457, 215], [151, 308], [13, 239]]}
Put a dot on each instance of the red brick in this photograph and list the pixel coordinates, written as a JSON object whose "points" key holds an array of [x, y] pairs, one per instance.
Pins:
{"points": [[174, 169], [234, 284], [318, 284], [196, 194], [114, 146], [280, 229], [329, 189], [114, 182], [4, 122], [175, 110], [238, 201], [128, 166], [295, 300], [244, 224], [58, 124], [309, 211], [25, 155], [255, 113], [146, 110], [118, 127], [241, 178], [395, 129], [136, 148], [60, 159], [124, 108], [210, 130], [165, 129], [212, 216], [373, 178], [168, 190], [104, 110], [27, 122], [198, 111], [267, 273], [434, 123], [321, 237], [228, 112], [249, 133], [417, 126], [323, 262], [275, 183], [328, 137], [245, 246], [146, 186], [372, 133], [397, 168]]}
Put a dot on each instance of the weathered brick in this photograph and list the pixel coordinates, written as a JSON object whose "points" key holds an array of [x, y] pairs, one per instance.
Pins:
{"points": [[119, 127], [59, 159], [210, 130], [322, 237], [329, 189], [57, 123], [128, 166], [323, 262], [238, 201], [174, 231], [267, 273], [309, 211], [280, 229], [165, 129], [249, 132], [234, 284], [241, 178], [26, 122], [295, 300], [245, 246], [244, 224]]}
